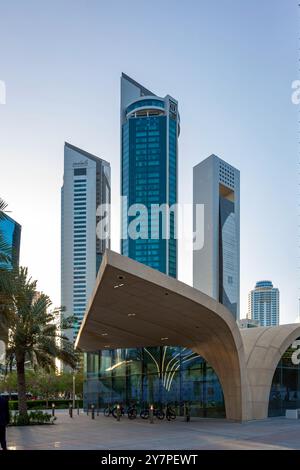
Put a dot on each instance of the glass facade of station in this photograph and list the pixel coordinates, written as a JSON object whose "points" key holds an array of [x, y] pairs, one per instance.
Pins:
{"points": [[161, 375], [157, 375]]}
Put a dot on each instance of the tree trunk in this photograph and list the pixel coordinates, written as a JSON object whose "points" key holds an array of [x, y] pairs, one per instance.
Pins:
{"points": [[22, 387]]}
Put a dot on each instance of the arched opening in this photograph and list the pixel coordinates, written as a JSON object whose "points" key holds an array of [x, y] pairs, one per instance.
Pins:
{"points": [[285, 388], [264, 349]]}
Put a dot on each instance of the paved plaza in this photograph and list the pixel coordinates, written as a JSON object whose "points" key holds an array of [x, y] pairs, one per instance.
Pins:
{"points": [[81, 432]]}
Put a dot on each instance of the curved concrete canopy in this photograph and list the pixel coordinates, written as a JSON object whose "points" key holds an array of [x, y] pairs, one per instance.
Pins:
{"points": [[135, 306]]}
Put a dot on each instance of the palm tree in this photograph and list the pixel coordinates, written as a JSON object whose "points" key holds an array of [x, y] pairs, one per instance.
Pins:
{"points": [[33, 335]]}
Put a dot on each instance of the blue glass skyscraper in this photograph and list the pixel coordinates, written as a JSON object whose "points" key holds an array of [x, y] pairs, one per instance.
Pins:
{"points": [[11, 235], [149, 133]]}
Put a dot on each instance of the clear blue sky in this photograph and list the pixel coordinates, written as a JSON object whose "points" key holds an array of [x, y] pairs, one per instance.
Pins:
{"points": [[230, 64]]}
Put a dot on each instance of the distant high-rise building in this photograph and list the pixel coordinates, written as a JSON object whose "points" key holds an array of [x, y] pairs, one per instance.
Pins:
{"points": [[149, 134], [247, 323], [11, 235], [86, 185], [263, 304], [216, 267]]}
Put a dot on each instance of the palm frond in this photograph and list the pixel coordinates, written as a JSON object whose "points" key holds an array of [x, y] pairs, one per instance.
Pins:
{"points": [[3, 206]]}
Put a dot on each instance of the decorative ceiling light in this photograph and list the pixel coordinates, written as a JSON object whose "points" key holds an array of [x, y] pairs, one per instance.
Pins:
{"points": [[118, 285]]}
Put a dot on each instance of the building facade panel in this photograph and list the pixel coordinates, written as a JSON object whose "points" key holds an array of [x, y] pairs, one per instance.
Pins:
{"points": [[216, 266]]}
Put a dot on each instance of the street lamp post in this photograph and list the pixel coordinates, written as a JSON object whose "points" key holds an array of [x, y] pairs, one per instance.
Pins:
{"points": [[151, 414]]}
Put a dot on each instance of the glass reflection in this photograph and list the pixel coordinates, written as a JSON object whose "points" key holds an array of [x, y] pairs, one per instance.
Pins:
{"points": [[157, 375]]}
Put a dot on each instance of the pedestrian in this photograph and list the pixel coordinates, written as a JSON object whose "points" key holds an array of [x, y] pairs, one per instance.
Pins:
{"points": [[4, 420]]}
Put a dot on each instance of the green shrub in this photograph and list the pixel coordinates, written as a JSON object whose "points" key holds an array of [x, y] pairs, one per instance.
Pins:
{"points": [[41, 404], [33, 417]]}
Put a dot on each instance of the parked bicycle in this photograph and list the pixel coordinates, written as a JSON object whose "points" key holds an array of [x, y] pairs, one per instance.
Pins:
{"points": [[170, 412], [132, 412], [157, 412], [108, 411], [121, 410]]}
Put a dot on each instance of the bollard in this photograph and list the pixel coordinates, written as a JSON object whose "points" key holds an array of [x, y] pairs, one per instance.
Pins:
{"points": [[70, 410], [151, 414], [53, 409], [87, 409], [78, 407], [118, 413], [187, 413], [93, 411]]}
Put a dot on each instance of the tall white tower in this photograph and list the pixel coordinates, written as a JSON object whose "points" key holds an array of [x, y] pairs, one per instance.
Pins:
{"points": [[216, 266], [263, 304], [86, 185]]}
